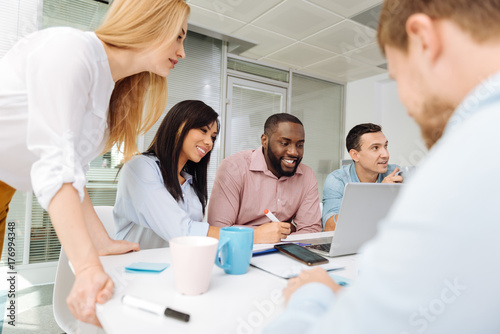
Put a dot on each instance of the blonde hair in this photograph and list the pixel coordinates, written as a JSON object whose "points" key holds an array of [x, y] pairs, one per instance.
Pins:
{"points": [[480, 18], [138, 101]]}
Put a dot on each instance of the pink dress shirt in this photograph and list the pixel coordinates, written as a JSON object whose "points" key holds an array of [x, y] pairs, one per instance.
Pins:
{"points": [[244, 187]]}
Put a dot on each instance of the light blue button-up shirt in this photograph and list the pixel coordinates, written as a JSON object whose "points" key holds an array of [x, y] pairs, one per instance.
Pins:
{"points": [[432, 268], [333, 190], [145, 212]]}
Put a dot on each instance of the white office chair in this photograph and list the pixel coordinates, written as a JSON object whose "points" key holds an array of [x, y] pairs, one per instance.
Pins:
{"points": [[65, 279]]}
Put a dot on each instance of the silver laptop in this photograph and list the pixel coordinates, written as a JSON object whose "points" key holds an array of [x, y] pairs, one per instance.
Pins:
{"points": [[363, 206]]}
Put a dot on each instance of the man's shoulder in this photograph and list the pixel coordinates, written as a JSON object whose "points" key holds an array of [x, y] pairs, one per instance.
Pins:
{"points": [[306, 170], [338, 178], [237, 164], [341, 173], [239, 158], [306, 176]]}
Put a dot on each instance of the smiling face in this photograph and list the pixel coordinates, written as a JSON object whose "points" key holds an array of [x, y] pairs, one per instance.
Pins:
{"points": [[373, 156], [284, 148], [162, 57], [197, 143]]}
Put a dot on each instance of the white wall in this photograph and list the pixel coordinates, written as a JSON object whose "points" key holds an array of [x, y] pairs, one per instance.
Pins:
{"points": [[375, 100]]}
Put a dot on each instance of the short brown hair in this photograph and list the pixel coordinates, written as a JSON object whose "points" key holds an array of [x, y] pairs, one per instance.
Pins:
{"points": [[353, 139], [479, 18]]}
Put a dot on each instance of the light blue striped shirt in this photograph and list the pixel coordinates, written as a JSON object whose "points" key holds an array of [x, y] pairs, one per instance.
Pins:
{"points": [[145, 212]]}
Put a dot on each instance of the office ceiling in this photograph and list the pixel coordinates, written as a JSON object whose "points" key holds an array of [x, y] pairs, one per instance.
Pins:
{"points": [[332, 39]]}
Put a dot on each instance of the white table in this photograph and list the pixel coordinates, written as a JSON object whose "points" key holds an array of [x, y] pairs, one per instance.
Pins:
{"points": [[233, 303]]}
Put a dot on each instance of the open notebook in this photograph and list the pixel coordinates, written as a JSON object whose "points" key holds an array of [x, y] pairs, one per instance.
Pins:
{"points": [[283, 266]]}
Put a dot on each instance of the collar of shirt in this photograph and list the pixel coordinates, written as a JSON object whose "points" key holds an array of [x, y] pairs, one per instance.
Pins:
{"points": [[188, 177], [354, 176], [352, 173], [481, 95], [258, 164]]}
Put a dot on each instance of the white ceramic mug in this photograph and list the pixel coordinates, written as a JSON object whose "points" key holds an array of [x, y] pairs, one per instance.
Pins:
{"points": [[193, 258]]}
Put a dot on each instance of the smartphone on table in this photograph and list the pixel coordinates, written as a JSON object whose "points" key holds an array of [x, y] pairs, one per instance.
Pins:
{"points": [[301, 254]]}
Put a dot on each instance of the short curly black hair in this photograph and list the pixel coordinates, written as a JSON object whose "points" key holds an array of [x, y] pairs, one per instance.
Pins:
{"points": [[273, 121]]}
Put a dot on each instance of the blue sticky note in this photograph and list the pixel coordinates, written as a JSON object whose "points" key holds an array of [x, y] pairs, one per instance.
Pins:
{"points": [[342, 281], [147, 267]]}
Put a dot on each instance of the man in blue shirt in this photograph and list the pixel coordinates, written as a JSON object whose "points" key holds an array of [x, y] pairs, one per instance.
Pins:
{"points": [[367, 147]]}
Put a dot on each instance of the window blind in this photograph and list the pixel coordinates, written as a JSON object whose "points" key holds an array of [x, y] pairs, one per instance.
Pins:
{"points": [[44, 244], [198, 77], [81, 14], [319, 104], [18, 18], [249, 110]]}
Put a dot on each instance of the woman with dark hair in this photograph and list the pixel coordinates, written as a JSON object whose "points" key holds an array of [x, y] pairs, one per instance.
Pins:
{"points": [[162, 193]]}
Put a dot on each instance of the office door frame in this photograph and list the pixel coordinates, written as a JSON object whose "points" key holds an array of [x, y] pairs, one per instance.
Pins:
{"points": [[233, 81]]}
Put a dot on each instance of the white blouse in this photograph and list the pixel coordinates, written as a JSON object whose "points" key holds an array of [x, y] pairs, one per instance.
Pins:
{"points": [[55, 87]]}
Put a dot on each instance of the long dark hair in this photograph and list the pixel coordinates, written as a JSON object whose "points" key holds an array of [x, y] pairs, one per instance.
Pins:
{"points": [[168, 141]]}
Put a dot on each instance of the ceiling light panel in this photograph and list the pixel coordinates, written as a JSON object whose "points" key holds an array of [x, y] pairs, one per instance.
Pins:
{"points": [[369, 54], [346, 8], [214, 21], [336, 66], [296, 19], [301, 55], [242, 10], [268, 41], [343, 37]]}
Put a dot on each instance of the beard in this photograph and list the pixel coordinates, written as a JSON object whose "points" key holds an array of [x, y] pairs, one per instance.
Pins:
{"points": [[276, 163], [433, 119]]}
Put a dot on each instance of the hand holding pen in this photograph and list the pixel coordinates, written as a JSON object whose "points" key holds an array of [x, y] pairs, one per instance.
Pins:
{"points": [[273, 218], [272, 232]]}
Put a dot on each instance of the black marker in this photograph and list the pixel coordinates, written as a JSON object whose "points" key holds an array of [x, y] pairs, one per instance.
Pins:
{"points": [[154, 308]]}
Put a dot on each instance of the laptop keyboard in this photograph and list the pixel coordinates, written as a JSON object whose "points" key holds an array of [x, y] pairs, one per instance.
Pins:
{"points": [[321, 247]]}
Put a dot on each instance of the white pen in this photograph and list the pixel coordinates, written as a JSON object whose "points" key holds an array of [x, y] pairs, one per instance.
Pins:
{"points": [[270, 215], [154, 308], [273, 218]]}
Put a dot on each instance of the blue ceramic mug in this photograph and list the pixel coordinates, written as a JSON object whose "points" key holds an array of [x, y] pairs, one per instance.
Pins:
{"points": [[235, 249]]}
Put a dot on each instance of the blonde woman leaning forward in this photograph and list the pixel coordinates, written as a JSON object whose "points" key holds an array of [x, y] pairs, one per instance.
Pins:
{"points": [[66, 97]]}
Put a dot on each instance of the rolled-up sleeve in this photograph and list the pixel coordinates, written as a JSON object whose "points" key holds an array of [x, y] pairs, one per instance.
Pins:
{"points": [[333, 192], [58, 83]]}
